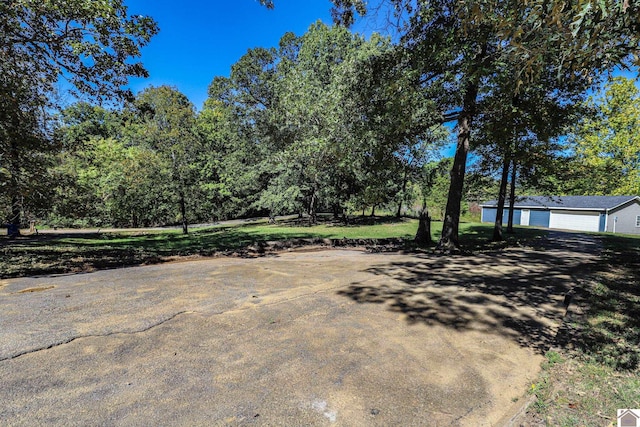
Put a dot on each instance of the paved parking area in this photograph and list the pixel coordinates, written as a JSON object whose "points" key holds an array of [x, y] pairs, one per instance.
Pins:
{"points": [[333, 337]]}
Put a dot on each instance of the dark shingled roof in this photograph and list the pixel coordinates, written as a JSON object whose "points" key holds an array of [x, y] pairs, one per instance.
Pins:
{"points": [[567, 202]]}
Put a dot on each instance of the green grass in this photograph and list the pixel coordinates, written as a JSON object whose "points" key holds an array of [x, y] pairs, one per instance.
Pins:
{"points": [[599, 371], [578, 393], [611, 332], [64, 253], [68, 253]]}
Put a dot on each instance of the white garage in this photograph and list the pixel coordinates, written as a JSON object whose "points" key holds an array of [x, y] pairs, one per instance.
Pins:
{"points": [[575, 220], [613, 214]]}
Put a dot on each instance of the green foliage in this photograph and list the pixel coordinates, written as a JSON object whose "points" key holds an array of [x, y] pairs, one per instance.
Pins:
{"points": [[325, 121], [137, 167], [166, 125], [89, 44], [608, 144], [434, 186]]}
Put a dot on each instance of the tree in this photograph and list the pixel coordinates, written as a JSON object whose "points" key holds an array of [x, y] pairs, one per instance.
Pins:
{"points": [[609, 143], [460, 47], [167, 125], [326, 120], [105, 175], [225, 193], [317, 155], [390, 122], [434, 186], [24, 146], [240, 122], [79, 130], [516, 128], [431, 176], [88, 43]]}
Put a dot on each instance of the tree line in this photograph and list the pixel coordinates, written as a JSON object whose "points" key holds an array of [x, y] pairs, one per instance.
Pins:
{"points": [[326, 121]]}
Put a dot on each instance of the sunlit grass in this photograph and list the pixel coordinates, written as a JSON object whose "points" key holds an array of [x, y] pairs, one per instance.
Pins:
{"points": [[52, 253]]}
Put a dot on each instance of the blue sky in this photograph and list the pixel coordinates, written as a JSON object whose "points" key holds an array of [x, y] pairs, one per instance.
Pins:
{"points": [[201, 39]]}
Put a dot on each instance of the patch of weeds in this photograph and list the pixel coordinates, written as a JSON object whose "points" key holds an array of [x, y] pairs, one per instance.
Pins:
{"points": [[574, 393], [599, 370], [610, 334], [552, 357], [542, 391]]}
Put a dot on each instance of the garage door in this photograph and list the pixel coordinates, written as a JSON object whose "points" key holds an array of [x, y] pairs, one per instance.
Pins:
{"points": [[489, 215], [580, 221], [539, 218]]}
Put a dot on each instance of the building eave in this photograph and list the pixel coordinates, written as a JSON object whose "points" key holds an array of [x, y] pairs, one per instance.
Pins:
{"points": [[636, 198]]}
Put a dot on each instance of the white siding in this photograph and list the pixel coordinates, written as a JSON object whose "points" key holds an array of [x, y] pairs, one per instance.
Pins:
{"points": [[580, 221]]}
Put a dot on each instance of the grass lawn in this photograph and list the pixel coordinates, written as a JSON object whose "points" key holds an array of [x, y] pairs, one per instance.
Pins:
{"points": [[598, 371], [77, 252]]}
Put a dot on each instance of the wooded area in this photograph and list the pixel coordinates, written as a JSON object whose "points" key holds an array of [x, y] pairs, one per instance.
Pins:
{"points": [[327, 121]]}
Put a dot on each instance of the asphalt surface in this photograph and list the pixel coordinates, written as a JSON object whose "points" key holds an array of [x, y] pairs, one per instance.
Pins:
{"points": [[331, 337]]}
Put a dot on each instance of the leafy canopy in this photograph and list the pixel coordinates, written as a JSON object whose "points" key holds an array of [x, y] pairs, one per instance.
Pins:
{"points": [[89, 43]]}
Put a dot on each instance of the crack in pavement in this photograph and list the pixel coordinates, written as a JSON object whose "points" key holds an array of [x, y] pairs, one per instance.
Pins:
{"points": [[72, 339], [168, 319], [302, 338]]}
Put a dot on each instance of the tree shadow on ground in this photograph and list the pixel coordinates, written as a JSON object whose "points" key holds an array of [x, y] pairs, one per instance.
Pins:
{"points": [[85, 252], [612, 334], [514, 292]]}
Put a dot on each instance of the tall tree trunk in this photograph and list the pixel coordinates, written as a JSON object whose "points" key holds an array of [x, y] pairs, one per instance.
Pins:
{"points": [[14, 189], [373, 211], [512, 195], [180, 187], [313, 215], [405, 180], [502, 195], [449, 239], [183, 213], [336, 211]]}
